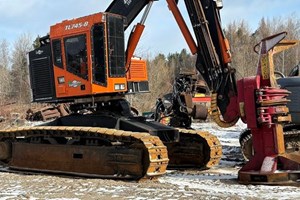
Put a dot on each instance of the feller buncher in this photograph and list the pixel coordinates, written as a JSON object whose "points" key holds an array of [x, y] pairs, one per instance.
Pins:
{"points": [[84, 62]]}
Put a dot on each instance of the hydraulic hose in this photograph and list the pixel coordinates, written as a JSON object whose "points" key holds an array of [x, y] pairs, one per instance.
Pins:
{"points": [[216, 114]]}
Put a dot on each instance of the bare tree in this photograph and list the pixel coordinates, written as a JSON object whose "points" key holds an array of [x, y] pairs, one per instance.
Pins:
{"points": [[242, 41], [4, 71], [286, 60], [20, 74], [241, 46]]}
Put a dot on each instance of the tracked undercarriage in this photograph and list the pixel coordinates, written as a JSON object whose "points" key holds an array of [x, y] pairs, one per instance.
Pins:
{"points": [[291, 139], [107, 144], [85, 151]]}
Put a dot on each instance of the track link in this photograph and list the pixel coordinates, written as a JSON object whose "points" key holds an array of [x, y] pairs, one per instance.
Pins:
{"points": [[198, 149], [291, 135], [129, 155]]}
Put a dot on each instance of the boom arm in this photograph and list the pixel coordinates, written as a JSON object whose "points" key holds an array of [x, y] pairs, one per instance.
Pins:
{"points": [[213, 56], [127, 8]]}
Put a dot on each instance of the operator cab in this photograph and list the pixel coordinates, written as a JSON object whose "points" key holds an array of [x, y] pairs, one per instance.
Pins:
{"points": [[84, 57]]}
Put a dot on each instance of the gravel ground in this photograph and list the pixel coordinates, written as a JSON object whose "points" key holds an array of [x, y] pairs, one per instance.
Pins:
{"points": [[217, 183]]}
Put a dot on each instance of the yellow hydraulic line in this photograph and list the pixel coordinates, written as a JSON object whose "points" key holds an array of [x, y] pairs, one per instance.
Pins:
{"points": [[216, 115]]}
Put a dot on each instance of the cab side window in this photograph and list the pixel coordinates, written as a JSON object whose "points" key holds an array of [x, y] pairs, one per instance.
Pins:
{"points": [[56, 52], [98, 45], [76, 55]]}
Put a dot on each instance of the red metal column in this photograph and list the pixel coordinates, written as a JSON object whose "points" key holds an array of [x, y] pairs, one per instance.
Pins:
{"points": [[263, 106]]}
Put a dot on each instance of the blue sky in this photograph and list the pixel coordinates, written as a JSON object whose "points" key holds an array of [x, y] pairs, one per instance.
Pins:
{"points": [[161, 34]]}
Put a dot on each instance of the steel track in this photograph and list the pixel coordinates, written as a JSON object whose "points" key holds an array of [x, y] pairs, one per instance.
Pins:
{"points": [[153, 162]]}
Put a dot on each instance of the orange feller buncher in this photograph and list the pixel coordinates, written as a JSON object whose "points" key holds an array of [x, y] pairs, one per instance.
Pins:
{"points": [[84, 62]]}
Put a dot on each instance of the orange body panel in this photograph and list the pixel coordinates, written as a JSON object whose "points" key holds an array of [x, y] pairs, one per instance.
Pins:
{"points": [[75, 26], [137, 71]]}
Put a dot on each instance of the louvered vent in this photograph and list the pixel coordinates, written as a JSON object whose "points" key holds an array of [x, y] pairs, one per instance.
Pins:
{"points": [[41, 75]]}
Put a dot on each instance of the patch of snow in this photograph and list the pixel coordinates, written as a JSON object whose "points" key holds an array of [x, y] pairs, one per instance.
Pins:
{"points": [[13, 192], [226, 185]]}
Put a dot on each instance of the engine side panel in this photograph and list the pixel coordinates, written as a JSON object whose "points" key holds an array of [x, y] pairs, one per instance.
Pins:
{"points": [[41, 74]]}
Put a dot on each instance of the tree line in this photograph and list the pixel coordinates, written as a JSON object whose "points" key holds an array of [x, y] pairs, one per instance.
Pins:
{"points": [[242, 40], [14, 75], [162, 69]]}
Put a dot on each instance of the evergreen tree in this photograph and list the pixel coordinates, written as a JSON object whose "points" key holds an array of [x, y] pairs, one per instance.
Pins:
{"points": [[36, 43]]}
